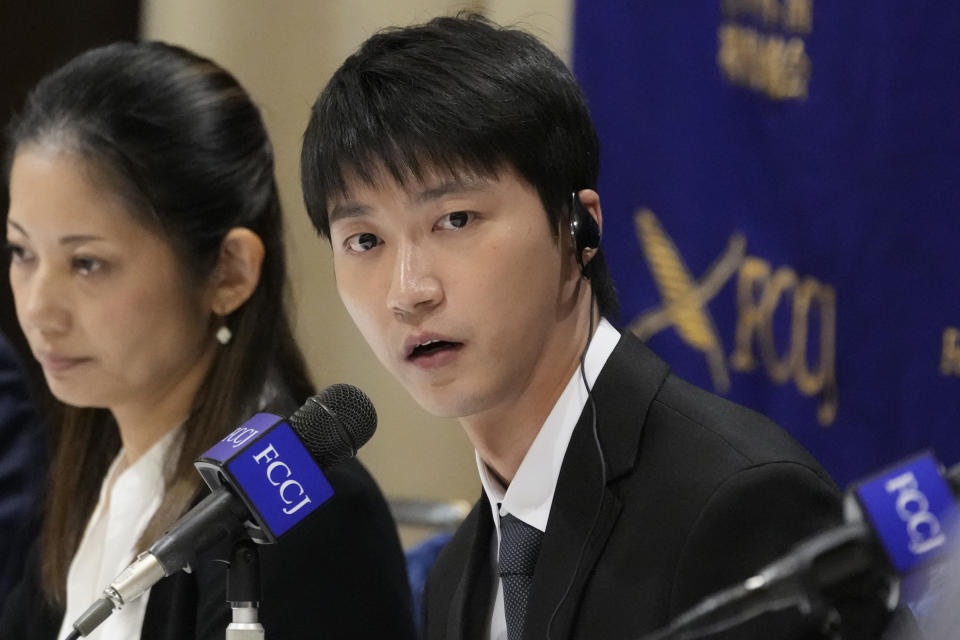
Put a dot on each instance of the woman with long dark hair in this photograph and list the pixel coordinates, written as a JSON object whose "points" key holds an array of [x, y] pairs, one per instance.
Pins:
{"points": [[148, 271]]}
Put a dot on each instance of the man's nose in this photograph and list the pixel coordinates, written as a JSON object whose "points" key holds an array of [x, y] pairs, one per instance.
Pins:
{"points": [[415, 287]]}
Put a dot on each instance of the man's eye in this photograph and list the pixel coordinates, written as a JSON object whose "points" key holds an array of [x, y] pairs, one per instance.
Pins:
{"points": [[362, 242], [455, 220]]}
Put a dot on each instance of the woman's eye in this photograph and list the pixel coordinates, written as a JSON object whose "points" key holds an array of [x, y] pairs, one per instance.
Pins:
{"points": [[455, 220], [18, 254], [362, 242], [85, 265]]}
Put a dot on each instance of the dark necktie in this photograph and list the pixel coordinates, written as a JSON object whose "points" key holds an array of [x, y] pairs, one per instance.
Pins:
{"points": [[519, 548]]}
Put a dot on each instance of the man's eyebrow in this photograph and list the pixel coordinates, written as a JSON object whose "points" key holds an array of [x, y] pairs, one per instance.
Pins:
{"points": [[452, 187], [347, 210]]}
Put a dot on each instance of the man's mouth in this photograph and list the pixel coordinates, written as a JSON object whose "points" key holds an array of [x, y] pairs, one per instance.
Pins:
{"points": [[431, 347]]}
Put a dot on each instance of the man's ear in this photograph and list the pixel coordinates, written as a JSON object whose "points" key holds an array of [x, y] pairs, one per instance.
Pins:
{"points": [[238, 270]]}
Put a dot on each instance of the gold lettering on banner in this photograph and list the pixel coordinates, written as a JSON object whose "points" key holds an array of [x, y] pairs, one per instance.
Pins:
{"points": [[792, 15], [808, 306], [772, 63], [823, 378], [766, 10], [950, 357], [798, 16], [760, 292]]}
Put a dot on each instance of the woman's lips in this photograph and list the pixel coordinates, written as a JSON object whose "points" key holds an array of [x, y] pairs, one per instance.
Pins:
{"points": [[60, 364]]}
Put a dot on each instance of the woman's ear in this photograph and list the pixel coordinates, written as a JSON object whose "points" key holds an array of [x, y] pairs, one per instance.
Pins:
{"points": [[238, 270]]}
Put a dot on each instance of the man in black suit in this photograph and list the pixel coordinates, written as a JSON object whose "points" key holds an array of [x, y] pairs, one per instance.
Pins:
{"points": [[453, 167]]}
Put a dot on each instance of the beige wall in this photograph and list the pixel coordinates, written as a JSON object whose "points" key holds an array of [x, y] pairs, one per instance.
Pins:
{"points": [[283, 51]]}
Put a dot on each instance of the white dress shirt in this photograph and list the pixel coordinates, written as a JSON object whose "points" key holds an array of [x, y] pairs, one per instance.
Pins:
{"points": [[129, 496], [531, 492]]}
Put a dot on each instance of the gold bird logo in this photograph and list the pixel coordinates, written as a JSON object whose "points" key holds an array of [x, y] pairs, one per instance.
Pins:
{"points": [[684, 298]]}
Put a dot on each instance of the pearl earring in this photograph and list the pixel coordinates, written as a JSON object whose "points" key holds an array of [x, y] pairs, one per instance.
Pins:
{"points": [[224, 334]]}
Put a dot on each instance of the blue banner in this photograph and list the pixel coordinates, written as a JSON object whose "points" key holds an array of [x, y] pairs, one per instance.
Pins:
{"points": [[780, 182]]}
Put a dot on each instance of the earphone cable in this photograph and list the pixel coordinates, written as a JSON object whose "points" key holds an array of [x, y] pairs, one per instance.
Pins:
{"points": [[603, 462]]}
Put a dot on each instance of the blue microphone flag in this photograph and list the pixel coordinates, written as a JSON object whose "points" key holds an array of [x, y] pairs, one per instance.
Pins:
{"points": [[266, 465], [909, 507]]}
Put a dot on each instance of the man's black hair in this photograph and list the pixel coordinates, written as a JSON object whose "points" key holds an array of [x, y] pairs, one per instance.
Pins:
{"points": [[457, 94]]}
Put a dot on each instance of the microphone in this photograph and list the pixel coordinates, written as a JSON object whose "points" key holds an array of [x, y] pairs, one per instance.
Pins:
{"points": [[900, 521], [265, 478]]}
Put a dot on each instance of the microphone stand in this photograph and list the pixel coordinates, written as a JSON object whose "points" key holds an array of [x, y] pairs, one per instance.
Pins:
{"points": [[798, 580], [243, 591]]}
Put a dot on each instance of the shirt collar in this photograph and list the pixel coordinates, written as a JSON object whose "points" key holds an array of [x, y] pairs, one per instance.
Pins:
{"points": [[147, 472], [530, 494]]}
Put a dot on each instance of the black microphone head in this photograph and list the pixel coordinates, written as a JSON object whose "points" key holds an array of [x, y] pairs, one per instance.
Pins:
{"points": [[335, 423]]}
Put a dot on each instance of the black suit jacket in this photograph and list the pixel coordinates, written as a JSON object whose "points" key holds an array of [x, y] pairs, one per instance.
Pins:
{"points": [[699, 493], [22, 466], [339, 574]]}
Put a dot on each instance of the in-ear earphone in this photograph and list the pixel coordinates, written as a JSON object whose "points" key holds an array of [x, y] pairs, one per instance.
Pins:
{"points": [[584, 232]]}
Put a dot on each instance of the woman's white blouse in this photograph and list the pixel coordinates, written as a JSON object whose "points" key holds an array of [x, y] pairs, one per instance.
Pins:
{"points": [[129, 496]]}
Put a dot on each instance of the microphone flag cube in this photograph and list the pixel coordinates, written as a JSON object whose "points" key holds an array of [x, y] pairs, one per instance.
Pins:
{"points": [[265, 464], [911, 507]]}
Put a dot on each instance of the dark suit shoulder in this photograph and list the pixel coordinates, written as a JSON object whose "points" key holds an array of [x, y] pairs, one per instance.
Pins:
{"points": [[740, 436]]}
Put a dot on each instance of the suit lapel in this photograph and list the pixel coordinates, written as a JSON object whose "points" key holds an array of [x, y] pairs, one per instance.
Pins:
{"points": [[585, 509], [470, 601], [583, 514]]}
